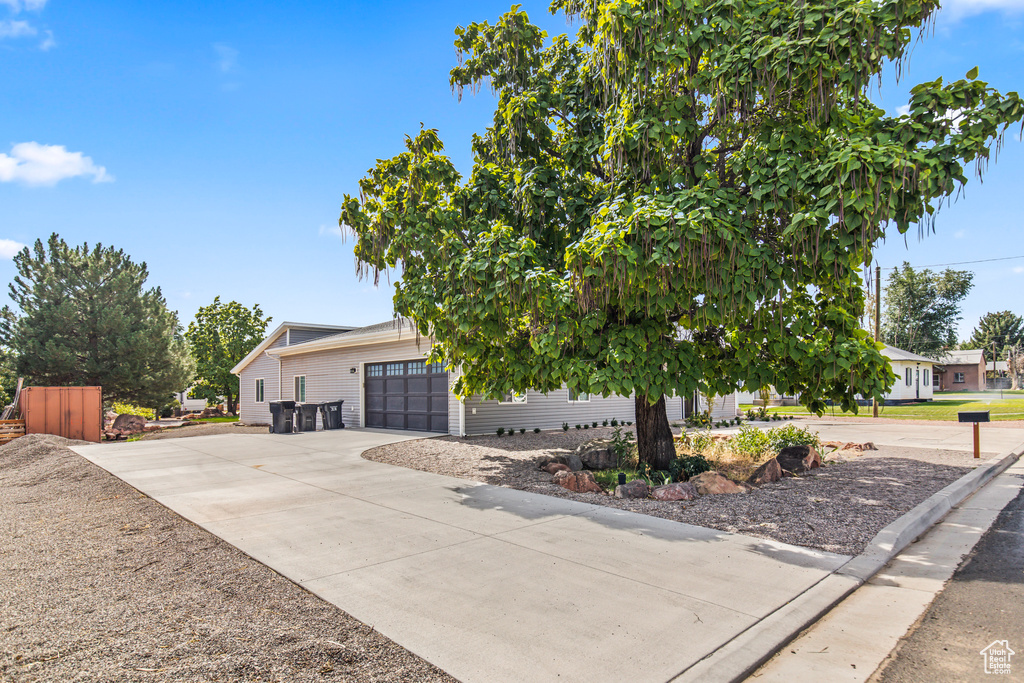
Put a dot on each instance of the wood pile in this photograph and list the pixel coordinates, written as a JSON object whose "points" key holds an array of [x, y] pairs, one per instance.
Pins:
{"points": [[11, 429]]}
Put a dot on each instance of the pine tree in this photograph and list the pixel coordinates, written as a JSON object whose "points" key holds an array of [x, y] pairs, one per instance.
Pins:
{"points": [[1004, 328], [86, 320]]}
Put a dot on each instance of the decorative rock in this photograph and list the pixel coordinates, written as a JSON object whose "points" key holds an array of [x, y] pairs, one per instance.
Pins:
{"points": [[768, 472], [574, 462], [682, 490], [798, 459], [542, 463], [580, 482], [556, 467], [710, 483], [128, 424], [634, 489], [597, 454]]}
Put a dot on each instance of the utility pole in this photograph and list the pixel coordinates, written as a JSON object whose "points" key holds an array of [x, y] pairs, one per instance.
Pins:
{"points": [[878, 322]]}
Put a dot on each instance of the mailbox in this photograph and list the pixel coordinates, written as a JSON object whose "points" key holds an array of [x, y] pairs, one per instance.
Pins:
{"points": [[974, 416]]}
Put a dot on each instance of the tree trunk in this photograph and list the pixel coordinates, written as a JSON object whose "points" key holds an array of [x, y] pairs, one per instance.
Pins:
{"points": [[232, 404], [654, 441]]}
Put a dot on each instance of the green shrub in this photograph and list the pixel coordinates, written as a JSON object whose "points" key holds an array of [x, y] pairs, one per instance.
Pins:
{"points": [[750, 441], [501, 430], [594, 424], [536, 430], [791, 435], [623, 446], [615, 423], [129, 409], [565, 426], [629, 424], [605, 423], [579, 427], [688, 466], [522, 430], [700, 442], [586, 426]]}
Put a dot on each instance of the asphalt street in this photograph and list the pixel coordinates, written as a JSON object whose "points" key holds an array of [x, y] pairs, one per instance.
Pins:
{"points": [[982, 603]]}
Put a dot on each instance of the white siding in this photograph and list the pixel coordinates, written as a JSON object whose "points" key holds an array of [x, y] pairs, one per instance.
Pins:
{"points": [[249, 411], [900, 391]]}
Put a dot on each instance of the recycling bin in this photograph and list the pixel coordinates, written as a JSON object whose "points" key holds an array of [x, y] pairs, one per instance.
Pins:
{"points": [[305, 417], [330, 415], [282, 417]]}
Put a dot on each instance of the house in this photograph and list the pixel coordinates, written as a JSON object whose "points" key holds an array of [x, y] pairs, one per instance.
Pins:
{"points": [[914, 376], [381, 374], [961, 370]]}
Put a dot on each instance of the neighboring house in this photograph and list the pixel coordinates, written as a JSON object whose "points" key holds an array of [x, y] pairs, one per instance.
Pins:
{"points": [[381, 374], [914, 376], [188, 403], [961, 370]]}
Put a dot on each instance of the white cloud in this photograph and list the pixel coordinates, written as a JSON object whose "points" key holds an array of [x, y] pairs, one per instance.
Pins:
{"points": [[30, 5], [903, 110], [227, 57], [34, 164], [958, 9], [8, 248], [1019, 269], [333, 230], [16, 29], [960, 234], [48, 42]]}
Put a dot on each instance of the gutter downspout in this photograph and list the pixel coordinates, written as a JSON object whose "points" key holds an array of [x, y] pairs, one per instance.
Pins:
{"points": [[280, 388]]}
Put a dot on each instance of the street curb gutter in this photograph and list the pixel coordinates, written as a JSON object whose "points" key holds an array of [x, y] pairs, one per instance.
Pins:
{"points": [[742, 655]]}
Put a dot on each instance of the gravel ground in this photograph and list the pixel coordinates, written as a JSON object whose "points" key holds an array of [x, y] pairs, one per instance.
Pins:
{"points": [[101, 583], [839, 508], [204, 430]]}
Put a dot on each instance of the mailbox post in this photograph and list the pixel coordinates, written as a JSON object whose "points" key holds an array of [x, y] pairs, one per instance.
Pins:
{"points": [[977, 417]]}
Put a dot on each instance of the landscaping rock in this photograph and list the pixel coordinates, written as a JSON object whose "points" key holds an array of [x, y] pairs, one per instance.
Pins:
{"points": [[712, 483], [580, 482], [542, 463], [597, 454], [798, 459], [682, 490], [211, 412], [128, 424], [571, 461], [768, 472], [556, 467], [634, 489]]}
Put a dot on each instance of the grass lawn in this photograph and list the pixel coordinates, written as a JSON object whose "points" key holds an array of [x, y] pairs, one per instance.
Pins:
{"points": [[229, 418], [945, 409]]}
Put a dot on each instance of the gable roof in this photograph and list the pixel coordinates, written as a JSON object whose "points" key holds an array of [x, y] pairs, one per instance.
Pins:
{"points": [[390, 330], [278, 331], [964, 357], [892, 353]]}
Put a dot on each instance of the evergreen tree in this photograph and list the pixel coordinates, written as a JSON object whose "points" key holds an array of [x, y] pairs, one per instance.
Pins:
{"points": [[220, 337], [1004, 328], [86, 320], [922, 308]]}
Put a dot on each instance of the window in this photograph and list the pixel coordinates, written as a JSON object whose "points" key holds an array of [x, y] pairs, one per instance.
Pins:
{"points": [[394, 369], [924, 377], [418, 367], [513, 397], [580, 397], [259, 391], [300, 388], [375, 371], [435, 368], [958, 378], [910, 377]]}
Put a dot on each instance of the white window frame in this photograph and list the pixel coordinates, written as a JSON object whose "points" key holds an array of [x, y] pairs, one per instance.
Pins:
{"points": [[910, 377], [577, 399], [924, 377], [958, 378], [296, 385], [513, 399], [261, 390]]}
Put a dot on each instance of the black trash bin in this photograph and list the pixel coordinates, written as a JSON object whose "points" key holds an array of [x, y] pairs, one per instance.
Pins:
{"points": [[305, 417], [330, 415], [281, 413]]}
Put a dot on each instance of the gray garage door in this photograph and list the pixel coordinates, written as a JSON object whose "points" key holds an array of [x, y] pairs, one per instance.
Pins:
{"points": [[409, 394]]}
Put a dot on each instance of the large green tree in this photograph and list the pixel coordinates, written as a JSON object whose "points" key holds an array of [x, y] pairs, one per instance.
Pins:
{"points": [[922, 308], [220, 337], [1004, 328], [679, 197], [85, 318]]}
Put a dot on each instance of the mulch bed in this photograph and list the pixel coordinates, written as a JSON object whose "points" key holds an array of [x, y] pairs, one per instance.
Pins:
{"points": [[101, 583]]}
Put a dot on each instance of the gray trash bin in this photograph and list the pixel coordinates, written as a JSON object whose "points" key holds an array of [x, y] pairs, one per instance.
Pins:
{"points": [[282, 417], [330, 415]]}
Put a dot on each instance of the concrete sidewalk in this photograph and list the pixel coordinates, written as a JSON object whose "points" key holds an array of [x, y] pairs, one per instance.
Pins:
{"points": [[488, 583]]}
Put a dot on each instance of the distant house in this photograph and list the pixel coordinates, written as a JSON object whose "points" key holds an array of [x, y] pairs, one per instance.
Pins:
{"points": [[914, 376], [961, 370], [382, 375]]}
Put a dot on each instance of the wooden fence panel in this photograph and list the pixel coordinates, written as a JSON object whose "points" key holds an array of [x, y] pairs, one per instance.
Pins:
{"points": [[71, 412]]}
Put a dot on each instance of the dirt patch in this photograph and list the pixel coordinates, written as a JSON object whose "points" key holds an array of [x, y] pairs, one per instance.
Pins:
{"points": [[101, 583], [204, 430], [838, 508]]}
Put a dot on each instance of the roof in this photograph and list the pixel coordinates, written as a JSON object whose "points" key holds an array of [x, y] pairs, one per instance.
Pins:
{"points": [[265, 344], [892, 353], [964, 357], [1000, 366], [390, 330]]}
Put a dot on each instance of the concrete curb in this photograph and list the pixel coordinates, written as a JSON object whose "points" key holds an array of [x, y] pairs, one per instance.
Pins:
{"points": [[742, 655]]}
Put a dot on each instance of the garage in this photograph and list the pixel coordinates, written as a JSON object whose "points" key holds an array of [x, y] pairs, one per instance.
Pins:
{"points": [[407, 395]]}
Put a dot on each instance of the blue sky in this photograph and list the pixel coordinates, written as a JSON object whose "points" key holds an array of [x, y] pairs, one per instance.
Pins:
{"points": [[215, 140]]}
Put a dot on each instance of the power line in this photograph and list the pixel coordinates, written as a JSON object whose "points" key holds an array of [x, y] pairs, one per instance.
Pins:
{"points": [[957, 263]]}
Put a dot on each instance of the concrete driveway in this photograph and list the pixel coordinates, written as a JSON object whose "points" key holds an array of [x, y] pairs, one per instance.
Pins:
{"points": [[488, 583]]}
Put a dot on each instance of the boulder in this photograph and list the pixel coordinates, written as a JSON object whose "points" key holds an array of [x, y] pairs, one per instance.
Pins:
{"points": [[211, 412], [798, 459], [597, 454], [768, 472], [128, 424], [711, 483], [580, 482], [682, 490], [859, 447], [634, 489], [556, 467], [542, 463], [572, 461]]}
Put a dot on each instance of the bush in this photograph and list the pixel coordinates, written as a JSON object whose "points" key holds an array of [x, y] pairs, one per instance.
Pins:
{"points": [[623, 446], [629, 424], [791, 435], [565, 426], [615, 423], [536, 430], [688, 466], [700, 442], [594, 424], [605, 423], [751, 441], [522, 430], [501, 430], [579, 427], [586, 426], [129, 409]]}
